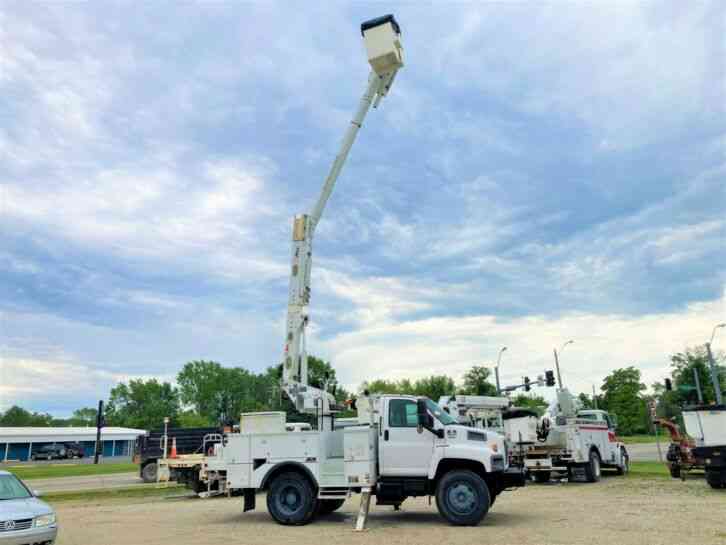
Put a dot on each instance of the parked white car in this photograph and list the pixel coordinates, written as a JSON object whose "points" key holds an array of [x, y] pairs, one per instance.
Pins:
{"points": [[23, 517]]}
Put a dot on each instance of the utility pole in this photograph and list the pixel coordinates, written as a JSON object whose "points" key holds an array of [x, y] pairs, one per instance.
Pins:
{"points": [[697, 381], [594, 397], [557, 363], [496, 369], [100, 422], [714, 370]]}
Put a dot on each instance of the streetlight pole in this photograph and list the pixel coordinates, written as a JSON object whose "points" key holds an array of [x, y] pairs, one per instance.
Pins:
{"points": [[496, 370], [557, 363], [714, 370]]}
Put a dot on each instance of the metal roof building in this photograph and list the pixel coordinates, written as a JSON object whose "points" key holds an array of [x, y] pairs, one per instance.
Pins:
{"points": [[18, 444]]}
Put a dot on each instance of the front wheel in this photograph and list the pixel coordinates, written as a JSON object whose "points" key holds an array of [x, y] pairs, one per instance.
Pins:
{"points": [[149, 472], [675, 471], [624, 466], [463, 498], [716, 479], [291, 500]]}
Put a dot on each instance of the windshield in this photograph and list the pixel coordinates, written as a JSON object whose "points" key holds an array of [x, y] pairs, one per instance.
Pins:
{"points": [[12, 489], [440, 414]]}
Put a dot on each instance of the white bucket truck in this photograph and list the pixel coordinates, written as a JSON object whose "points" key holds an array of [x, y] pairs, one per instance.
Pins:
{"points": [[402, 446], [567, 440], [706, 424]]}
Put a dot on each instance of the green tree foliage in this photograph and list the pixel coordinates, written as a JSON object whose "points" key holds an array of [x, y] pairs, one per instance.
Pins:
{"points": [[476, 382], [85, 417], [18, 417], [142, 404], [683, 365], [531, 401], [622, 396], [433, 387]]}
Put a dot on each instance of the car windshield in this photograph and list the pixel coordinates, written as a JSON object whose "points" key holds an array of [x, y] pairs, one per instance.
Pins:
{"points": [[440, 414], [12, 489]]}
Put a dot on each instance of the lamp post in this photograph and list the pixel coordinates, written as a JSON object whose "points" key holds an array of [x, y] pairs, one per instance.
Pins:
{"points": [[714, 370], [557, 363], [496, 369]]}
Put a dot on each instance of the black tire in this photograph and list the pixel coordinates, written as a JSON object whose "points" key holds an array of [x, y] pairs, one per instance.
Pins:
{"points": [[291, 499], [149, 472], [463, 498], [325, 507], [675, 471], [625, 468], [541, 476], [593, 468], [716, 479]]}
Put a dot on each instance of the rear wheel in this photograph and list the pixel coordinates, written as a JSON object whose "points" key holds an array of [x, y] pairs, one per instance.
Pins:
{"points": [[291, 500], [463, 498], [541, 476], [149, 472], [593, 468], [328, 506]]}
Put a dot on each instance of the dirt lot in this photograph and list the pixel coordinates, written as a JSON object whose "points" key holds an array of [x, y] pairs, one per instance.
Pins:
{"points": [[617, 510]]}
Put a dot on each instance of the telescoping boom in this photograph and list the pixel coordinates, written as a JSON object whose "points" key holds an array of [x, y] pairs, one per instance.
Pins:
{"points": [[385, 55]]}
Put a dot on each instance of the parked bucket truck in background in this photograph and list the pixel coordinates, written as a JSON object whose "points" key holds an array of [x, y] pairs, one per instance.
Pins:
{"points": [[567, 440], [402, 446]]}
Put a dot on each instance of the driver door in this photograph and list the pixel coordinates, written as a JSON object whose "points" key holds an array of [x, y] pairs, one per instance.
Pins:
{"points": [[404, 451]]}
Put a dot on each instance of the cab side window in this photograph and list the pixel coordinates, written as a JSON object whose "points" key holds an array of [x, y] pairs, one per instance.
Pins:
{"points": [[402, 413]]}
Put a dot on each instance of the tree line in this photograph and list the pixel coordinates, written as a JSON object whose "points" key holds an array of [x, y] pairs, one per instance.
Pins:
{"points": [[207, 393]]}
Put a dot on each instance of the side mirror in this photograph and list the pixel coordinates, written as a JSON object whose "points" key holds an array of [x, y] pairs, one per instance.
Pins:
{"points": [[425, 420], [37, 493]]}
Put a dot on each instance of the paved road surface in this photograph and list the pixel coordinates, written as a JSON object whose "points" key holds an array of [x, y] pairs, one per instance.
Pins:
{"points": [[90, 482], [646, 452]]}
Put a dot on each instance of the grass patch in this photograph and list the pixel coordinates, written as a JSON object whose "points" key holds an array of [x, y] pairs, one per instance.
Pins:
{"points": [[114, 493], [631, 439], [50, 471], [649, 469]]}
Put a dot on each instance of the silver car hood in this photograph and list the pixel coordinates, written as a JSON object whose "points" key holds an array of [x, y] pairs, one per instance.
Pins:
{"points": [[23, 509]]}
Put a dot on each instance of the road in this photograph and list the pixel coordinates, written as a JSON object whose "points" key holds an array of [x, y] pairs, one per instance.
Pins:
{"points": [[90, 482], [626, 511], [646, 452]]}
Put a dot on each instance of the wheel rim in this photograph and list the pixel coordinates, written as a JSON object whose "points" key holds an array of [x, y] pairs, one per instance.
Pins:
{"points": [[462, 498], [289, 500]]}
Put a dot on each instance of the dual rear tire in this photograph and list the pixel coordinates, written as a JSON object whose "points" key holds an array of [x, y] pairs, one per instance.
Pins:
{"points": [[716, 479]]}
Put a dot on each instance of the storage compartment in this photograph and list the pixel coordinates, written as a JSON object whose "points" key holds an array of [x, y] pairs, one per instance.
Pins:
{"points": [[520, 427], [707, 425], [269, 422], [360, 448]]}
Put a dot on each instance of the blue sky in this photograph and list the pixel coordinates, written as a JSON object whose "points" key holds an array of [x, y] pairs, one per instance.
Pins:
{"points": [[540, 172]]}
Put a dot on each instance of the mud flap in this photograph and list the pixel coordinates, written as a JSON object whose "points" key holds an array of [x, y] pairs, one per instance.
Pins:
{"points": [[249, 499]]}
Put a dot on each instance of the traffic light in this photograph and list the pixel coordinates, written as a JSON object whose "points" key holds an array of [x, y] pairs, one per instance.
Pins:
{"points": [[669, 384], [550, 378], [527, 387]]}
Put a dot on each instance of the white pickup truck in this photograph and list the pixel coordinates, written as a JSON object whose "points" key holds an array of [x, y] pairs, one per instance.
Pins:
{"points": [[404, 446], [578, 443]]}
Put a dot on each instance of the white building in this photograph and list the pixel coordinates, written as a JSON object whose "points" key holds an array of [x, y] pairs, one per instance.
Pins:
{"points": [[18, 444]]}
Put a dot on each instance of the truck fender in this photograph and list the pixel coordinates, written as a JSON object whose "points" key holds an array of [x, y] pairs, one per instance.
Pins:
{"points": [[284, 467]]}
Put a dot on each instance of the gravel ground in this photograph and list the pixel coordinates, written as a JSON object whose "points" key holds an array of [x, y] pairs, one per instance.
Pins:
{"points": [[615, 511]]}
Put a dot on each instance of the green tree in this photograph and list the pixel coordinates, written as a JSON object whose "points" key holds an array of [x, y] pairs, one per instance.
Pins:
{"points": [[622, 397], [18, 417], [190, 419], [83, 417], [683, 365], [531, 401], [476, 382], [142, 404], [434, 387]]}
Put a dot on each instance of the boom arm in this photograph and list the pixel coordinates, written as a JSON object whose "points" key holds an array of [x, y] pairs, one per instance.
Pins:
{"points": [[295, 365]]}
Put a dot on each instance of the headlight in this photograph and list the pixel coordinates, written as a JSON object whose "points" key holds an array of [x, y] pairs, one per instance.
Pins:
{"points": [[45, 520]]}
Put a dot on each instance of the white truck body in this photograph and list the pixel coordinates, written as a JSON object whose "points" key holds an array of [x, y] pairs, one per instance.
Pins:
{"points": [[391, 457], [707, 425], [566, 443]]}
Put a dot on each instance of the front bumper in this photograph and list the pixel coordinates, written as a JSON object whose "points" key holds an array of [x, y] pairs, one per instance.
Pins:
{"points": [[713, 457], [514, 477], [33, 536]]}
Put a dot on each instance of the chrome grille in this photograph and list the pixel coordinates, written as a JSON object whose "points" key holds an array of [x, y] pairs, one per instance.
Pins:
{"points": [[15, 525]]}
